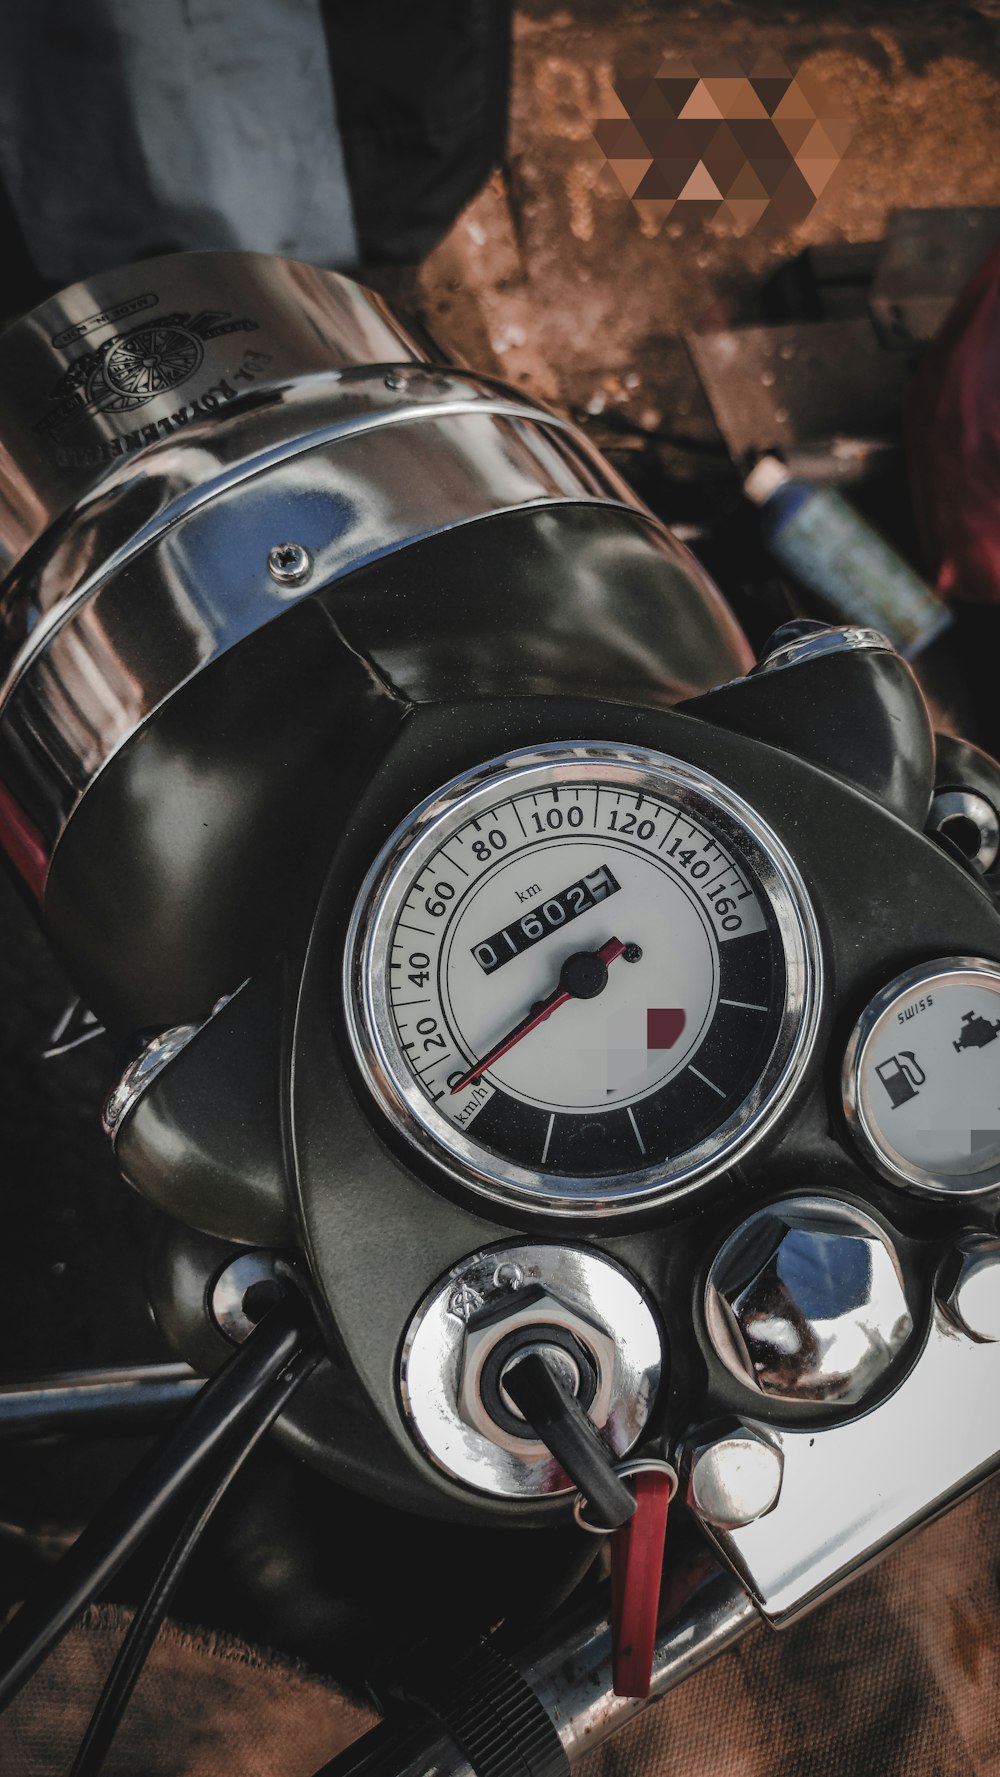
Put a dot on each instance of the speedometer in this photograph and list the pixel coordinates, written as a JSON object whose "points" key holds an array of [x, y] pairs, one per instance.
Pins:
{"points": [[582, 977]]}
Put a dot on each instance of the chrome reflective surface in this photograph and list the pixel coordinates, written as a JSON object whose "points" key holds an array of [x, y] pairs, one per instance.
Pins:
{"points": [[835, 640], [849, 1491], [120, 650], [805, 1302], [147, 1066], [367, 952], [163, 427], [131, 359], [952, 812], [225, 1302], [289, 563], [584, 1291], [179, 477], [969, 1287], [730, 1477]]}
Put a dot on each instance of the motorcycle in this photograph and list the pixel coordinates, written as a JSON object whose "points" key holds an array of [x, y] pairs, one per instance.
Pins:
{"points": [[340, 683]]}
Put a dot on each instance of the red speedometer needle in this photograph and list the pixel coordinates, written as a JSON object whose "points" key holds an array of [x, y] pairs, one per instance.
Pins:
{"points": [[579, 979]]}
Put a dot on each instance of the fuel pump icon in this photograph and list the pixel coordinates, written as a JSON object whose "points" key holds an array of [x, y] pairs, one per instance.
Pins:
{"points": [[902, 1076]]}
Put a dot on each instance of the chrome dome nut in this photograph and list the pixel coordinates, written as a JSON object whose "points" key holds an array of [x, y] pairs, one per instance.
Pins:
{"points": [[805, 1302], [730, 1475], [969, 1288]]}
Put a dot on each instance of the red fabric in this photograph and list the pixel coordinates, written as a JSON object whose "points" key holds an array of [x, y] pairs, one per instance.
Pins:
{"points": [[953, 441], [636, 1575]]}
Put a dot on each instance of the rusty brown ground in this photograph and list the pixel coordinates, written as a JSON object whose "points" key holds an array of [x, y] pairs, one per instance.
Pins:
{"points": [[551, 280]]}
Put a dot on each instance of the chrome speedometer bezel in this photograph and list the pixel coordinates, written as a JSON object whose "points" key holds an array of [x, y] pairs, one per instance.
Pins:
{"points": [[369, 1018]]}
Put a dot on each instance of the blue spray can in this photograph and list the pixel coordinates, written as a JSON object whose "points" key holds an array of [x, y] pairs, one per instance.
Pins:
{"points": [[832, 551]]}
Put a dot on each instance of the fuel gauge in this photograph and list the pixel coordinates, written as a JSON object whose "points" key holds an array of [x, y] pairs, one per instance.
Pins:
{"points": [[921, 1078]]}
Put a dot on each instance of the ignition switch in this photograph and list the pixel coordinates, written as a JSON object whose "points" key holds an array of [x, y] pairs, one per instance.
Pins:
{"points": [[538, 1379], [523, 1357], [573, 1361], [579, 1349]]}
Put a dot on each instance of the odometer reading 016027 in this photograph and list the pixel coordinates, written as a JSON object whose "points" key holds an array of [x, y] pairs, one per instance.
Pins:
{"points": [[582, 977]]}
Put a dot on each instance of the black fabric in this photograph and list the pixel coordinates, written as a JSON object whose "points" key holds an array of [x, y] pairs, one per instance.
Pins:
{"points": [[422, 98], [22, 286]]}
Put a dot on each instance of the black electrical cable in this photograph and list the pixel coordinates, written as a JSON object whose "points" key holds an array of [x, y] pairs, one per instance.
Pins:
{"points": [[153, 1490], [142, 1630]]}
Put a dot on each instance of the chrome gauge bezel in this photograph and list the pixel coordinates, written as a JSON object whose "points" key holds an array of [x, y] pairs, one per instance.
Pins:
{"points": [[410, 847], [894, 1167]]}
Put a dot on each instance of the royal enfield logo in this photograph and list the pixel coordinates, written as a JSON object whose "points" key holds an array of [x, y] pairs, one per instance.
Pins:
{"points": [[146, 362], [130, 369]]}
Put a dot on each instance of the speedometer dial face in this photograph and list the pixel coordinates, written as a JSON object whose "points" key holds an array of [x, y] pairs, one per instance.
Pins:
{"points": [[582, 978]]}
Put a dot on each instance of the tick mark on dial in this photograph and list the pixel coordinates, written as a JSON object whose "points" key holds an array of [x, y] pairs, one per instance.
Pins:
{"points": [[706, 1081], [438, 1061], [635, 1129]]}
